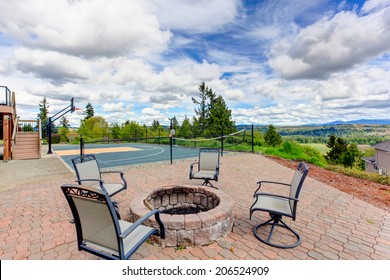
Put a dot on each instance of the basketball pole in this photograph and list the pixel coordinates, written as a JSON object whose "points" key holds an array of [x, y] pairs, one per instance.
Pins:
{"points": [[52, 119]]}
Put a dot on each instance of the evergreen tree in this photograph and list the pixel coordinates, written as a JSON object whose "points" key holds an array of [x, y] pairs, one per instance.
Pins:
{"points": [[89, 111], [351, 157], [213, 115], [43, 115], [175, 123], [185, 128], [201, 112], [337, 146], [272, 138], [155, 124], [220, 117]]}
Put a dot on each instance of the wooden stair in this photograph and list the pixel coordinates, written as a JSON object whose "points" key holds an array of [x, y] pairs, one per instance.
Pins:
{"points": [[26, 146]]}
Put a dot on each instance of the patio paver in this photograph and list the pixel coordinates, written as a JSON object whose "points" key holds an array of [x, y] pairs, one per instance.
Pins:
{"points": [[333, 225]]}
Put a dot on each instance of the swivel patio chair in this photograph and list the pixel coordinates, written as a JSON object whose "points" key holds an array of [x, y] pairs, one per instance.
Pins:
{"points": [[208, 166], [89, 174], [99, 231], [278, 206]]}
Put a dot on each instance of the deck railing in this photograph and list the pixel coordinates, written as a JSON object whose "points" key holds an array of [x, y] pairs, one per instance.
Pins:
{"points": [[5, 96]]}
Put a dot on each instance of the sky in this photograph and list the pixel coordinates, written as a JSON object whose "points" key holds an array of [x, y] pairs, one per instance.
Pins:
{"points": [[284, 62]]}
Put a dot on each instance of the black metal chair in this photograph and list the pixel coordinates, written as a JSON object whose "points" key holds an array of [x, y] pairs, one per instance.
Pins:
{"points": [[89, 174], [99, 231], [208, 166], [278, 206]]}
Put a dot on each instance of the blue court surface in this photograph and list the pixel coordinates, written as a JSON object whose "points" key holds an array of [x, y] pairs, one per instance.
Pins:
{"points": [[124, 154]]}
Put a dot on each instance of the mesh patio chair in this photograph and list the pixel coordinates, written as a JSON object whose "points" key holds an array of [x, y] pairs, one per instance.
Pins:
{"points": [[89, 174], [208, 166], [278, 206], [99, 231]]}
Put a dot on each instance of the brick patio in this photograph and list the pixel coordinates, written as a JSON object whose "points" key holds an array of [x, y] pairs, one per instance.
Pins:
{"points": [[333, 225]]}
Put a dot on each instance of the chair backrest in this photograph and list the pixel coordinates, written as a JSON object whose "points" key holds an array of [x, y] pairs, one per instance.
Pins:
{"points": [[208, 158], [94, 216], [86, 167], [296, 184]]}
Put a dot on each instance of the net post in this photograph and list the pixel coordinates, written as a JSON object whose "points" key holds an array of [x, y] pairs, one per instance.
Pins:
{"points": [[253, 141], [81, 145], [221, 141], [171, 146], [49, 134]]}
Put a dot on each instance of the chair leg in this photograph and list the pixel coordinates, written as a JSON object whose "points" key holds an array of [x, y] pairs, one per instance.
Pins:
{"points": [[207, 182], [276, 220]]}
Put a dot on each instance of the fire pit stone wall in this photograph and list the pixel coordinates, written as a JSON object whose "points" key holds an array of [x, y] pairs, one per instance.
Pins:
{"points": [[211, 220]]}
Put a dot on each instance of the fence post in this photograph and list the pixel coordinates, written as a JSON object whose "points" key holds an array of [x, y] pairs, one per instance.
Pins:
{"points": [[222, 141], [253, 141], [171, 146], [81, 145]]}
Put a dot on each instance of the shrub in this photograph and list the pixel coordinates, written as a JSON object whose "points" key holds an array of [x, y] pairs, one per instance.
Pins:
{"points": [[294, 151], [375, 177]]}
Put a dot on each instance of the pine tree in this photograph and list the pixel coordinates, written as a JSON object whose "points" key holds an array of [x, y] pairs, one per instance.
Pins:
{"points": [[220, 117], [272, 138], [185, 128], [43, 115], [213, 115], [155, 124], [89, 111], [202, 111], [337, 146]]}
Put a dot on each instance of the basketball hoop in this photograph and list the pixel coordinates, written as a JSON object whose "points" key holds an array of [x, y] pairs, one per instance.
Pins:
{"points": [[79, 111]]}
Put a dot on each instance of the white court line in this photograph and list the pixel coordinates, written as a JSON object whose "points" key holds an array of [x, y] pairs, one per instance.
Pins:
{"points": [[150, 155]]}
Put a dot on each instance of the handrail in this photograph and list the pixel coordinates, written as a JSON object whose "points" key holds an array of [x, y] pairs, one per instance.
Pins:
{"points": [[6, 99], [26, 126], [40, 136]]}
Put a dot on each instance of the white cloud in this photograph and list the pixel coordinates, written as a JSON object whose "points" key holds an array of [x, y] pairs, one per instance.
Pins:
{"points": [[332, 45], [234, 94], [371, 5], [196, 16], [150, 112], [53, 66], [85, 28], [113, 107]]}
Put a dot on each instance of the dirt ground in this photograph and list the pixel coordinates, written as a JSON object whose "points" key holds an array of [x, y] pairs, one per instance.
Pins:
{"points": [[374, 193]]}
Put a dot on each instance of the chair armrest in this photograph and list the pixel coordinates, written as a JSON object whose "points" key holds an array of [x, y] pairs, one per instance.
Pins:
{"points": [[118, 172], [156, 214], [270, 182], [111, 171], [192, 168], [101, 183]]}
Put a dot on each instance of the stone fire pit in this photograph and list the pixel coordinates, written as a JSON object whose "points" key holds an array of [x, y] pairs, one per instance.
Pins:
{"points": [[192, 215]]}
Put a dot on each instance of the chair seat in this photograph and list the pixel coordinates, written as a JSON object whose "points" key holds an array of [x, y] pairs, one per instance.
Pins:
{"points": [[201, 174], [134, 238], [273, 204]]}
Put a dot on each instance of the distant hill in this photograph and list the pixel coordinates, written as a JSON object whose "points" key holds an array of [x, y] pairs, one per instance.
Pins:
{"points": [[361, 121]]}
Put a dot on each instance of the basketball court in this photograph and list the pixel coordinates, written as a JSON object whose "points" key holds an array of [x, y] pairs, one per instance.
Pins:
{"points": [[125, 154]]}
